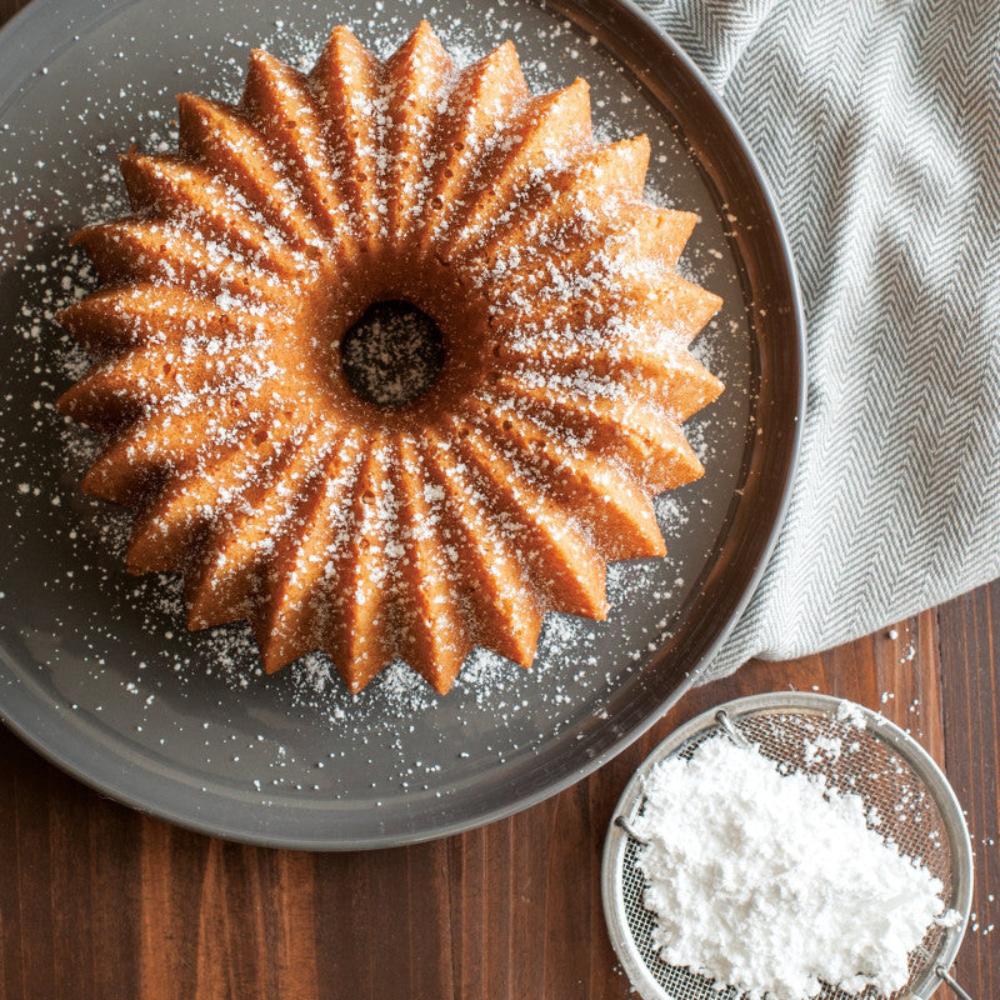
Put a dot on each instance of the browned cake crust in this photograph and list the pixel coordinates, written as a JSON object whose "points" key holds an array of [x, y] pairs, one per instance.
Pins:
{"points": [[366, 531]]}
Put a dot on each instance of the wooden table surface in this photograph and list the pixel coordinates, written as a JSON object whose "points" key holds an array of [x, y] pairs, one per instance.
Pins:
{"points": [[100, 903], [97, 901]]}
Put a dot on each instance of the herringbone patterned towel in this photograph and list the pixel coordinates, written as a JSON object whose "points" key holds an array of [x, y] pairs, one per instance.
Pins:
{"points": [[877, 123]]}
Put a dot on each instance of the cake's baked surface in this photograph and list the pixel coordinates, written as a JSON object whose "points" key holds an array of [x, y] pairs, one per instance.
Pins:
{"points": [[459, 518]]}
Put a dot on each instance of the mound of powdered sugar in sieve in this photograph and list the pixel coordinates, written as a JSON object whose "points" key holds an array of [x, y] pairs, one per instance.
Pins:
{"points": [[773, 882]]}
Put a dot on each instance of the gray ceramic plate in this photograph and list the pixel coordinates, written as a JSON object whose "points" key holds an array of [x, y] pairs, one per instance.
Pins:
{"points": [[96, 671]]}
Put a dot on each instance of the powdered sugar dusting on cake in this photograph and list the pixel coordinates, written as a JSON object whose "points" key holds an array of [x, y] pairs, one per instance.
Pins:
{"points": [[558, 681], [232, 376]]}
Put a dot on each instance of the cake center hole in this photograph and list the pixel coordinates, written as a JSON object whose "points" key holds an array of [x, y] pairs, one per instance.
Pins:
{"points": [[393, 354]]}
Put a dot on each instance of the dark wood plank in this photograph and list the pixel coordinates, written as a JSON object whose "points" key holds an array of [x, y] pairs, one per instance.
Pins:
{"points": [[969, 643], [71, 883]]}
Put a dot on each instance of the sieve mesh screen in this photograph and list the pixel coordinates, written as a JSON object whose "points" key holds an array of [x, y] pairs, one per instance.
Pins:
{"points": [[866, 765]]}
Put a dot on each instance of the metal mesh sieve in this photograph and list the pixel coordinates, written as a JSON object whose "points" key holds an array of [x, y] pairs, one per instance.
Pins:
{"points": [[891, 772]]}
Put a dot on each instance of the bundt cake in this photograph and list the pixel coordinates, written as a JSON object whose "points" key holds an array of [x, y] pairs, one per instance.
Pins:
{"points": [[405, 522]]}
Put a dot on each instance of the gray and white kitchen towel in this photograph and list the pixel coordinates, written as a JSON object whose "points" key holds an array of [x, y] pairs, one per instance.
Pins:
{"points": [[877, 124]]}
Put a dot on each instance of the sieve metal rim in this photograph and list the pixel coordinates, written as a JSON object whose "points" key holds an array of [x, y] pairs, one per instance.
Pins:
{"points": [[923, 765]]}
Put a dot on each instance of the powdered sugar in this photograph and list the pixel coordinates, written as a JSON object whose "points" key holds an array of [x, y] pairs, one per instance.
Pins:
{"points": [[850, 712], [775, 883]]}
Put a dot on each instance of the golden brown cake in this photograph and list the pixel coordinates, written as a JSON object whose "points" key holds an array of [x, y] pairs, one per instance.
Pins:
{"points": [[367, 521]]}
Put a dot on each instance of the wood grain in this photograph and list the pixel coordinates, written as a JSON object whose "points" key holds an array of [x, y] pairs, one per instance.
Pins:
{"points": [[99, 902]]}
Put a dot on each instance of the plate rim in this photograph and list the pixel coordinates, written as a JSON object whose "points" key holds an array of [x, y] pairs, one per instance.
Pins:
{"points": [[35, 12]]}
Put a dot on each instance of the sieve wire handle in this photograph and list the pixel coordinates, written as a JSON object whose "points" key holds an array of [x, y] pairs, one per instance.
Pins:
{"points": [[624, 824], [955, 988], [729, 728], [945, 977]]}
